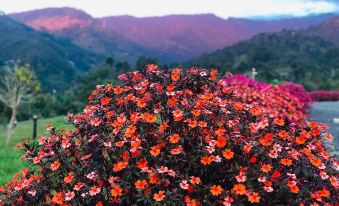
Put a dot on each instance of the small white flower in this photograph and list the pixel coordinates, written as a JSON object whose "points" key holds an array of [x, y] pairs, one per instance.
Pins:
{"points": [[261, 179], [241, 178], [268, 189], [91, 176], [69, 195], [184, 185], [162, 169], [32, 192], [108, 144]]}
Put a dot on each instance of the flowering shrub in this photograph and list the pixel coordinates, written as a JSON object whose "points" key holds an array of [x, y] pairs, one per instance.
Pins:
{"points": [[325, 95], [173, 138], [297, 90], [288, 101]]}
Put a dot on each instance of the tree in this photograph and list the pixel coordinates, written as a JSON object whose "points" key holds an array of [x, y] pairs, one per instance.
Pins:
{"points": [[17, 84], [85, 83]]}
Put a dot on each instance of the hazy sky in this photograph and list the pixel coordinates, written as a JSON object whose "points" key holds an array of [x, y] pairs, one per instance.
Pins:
{"points": [[141, 8]]}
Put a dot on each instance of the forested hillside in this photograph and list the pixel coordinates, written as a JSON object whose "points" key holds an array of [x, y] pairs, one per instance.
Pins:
{"points": [[284, 56], [54, 61]]}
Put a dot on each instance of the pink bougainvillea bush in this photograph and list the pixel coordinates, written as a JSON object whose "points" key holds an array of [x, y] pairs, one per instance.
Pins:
{"points": [[174, 138], [325, 95], [288, 101]]}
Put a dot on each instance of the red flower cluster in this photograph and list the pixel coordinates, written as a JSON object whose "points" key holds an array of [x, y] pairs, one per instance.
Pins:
{"points": [[174, 138], [287, 101], [325, 95]]}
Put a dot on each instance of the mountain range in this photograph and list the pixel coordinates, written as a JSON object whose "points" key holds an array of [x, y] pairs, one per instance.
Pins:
{"points": [[169, 38], [61, 42], [54, 60], [308, 56]]}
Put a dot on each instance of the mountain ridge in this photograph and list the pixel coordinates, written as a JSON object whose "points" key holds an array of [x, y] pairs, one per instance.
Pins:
{"points": [[171, 37], [53, 60]]}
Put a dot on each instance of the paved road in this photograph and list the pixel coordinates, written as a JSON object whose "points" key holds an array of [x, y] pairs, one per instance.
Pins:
{"points": [[325, 112]]}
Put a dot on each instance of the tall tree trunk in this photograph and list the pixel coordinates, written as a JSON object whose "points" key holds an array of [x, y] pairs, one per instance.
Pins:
{"points": [[10, 126]]}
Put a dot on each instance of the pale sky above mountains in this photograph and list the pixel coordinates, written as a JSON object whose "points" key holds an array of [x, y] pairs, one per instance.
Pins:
{"points": [[144, 8]]}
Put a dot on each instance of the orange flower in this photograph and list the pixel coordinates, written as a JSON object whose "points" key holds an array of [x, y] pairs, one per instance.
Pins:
{"points": [[300, 140], [58, 198], [94, 190], [283, 134], [175, 77], [329, 137], [228, 154], [195, 180], [130, 131], [141, 103], [254, 198], [155, 150], [178, 115], [55, 165], [279, 122], [159, 196], [334, 181], [286, 162], [324, 193], [170, 87], [140, 184], [118, 90], [192, 123], [294, 189], [239, 189], [105, 100], [171, 102], [266, 168], [216, 190], [69, 178], [206, 160], [247, 148], [176, 150], [207, 96], [116, 191], [221, 141], [163, 127], [174, 138], [202, 124], [316, 162], [213, 74], [153, 178], [150, 118], [196, 112], [220, 131], [266, 140], [119, 166], [255, 111]]}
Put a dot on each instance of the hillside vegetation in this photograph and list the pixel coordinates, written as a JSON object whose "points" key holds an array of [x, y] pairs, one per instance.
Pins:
{"points": [[284, 56], [55, 61]]}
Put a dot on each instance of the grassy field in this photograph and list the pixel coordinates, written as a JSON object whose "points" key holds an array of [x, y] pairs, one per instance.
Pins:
{"points": [[9, 157]]}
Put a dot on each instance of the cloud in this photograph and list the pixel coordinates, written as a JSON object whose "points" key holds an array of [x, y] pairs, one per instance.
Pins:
{"points": [[222, 8]]}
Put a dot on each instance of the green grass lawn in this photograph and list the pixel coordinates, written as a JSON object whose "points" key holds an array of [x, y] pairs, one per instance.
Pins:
{"points": [[9, 157]]}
